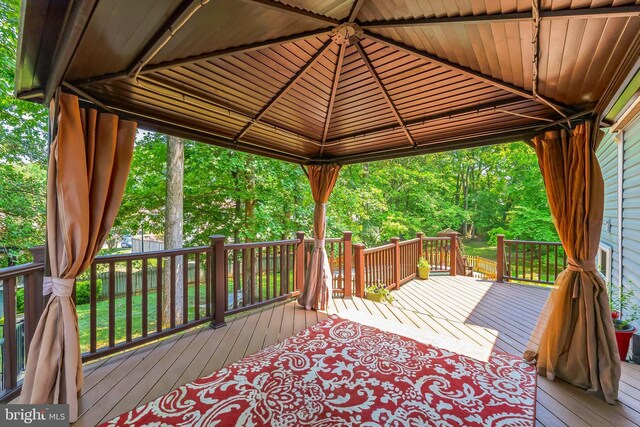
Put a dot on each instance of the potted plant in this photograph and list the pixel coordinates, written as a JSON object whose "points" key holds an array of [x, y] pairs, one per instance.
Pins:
{"points": [[423, 268], [623, 314], [379, 293]]}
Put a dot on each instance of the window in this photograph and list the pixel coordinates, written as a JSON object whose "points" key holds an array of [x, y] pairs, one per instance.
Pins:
{"points": [[604, 262]]}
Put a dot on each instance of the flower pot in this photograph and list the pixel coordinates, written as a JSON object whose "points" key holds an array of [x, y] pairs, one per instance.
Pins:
{"points": [[423, 272], [623, 337], [373, 297]]}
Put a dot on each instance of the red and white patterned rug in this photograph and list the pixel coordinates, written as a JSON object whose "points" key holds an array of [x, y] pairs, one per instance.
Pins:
{"points": [[344, 373]]}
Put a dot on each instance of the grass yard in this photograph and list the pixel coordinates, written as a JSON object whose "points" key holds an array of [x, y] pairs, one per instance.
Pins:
{"points": [[102, 311], [478, 247], [102, 318]]}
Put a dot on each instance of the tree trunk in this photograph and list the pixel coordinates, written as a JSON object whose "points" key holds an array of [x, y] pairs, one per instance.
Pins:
{"points": [[465, 195], [173, 234]]}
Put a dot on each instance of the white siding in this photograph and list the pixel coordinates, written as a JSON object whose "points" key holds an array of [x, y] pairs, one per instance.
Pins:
{"points": [[608, 157], [631, 209]]}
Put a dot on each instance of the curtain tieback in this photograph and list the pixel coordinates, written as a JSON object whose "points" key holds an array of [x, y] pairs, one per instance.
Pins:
{"points": [[318, 243], [581, 266], [57, 286]]}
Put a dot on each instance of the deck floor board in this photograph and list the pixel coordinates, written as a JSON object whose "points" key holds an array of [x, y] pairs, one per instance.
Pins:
{"points": [[493, 315]]}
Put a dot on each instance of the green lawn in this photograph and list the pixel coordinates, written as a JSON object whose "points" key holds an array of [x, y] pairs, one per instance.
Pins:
{"points": [[478, 247], [102, 312], [102, 317]]}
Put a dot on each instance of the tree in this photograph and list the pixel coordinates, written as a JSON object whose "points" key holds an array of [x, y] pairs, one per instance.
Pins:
{"points": [[173, 228], [23, 153]]}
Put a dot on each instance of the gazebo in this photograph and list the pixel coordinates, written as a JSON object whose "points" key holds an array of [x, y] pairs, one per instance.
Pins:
{"points": [[324, 84]]}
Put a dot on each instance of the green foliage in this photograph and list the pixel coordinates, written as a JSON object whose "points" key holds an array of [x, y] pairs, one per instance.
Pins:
{"points": [[380, 289], [83, 290], [23, 140], [530, 223], [493, 235], [624, 311], [20, 300], [423, 263]]}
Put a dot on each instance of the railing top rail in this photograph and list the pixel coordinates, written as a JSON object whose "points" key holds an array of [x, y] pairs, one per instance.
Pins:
{"points": [[152, 254], [327, 240], [410, 241], [236, 246], [19, 270], [433, 239], [533, 242], [380, 248]]}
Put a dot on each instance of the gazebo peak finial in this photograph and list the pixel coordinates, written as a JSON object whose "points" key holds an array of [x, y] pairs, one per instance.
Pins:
{"points": [[347, 34]]}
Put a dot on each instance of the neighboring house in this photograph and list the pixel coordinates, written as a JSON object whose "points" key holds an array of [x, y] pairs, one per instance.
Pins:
{"points": [[619, 157]]}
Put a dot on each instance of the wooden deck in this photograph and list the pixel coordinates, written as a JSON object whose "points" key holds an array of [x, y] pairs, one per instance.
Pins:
{"points": [[496, 315]]}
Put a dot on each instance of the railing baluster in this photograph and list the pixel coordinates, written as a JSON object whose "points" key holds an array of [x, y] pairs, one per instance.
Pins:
{"points": [[145, 297], [208, 283], [547, 255], [93, 302], [275, 272], [252, 276], [112, 304], [196, 289], [260, 295], [185, 289], [268, 273], [282, 270], [172, 293], [128, 302], [10, 355], [159, 286], [236, 278]]}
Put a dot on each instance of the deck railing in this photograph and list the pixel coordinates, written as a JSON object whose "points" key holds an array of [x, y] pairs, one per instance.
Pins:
{"points": [[19, 283], [118, 322], [121, 299], [529, 261], [396, 263], [437, 251], [482, 267], [340, 253]]}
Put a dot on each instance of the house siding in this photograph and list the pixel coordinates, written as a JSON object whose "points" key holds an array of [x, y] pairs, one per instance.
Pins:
{"points": [[631, 210], [608, 157]]}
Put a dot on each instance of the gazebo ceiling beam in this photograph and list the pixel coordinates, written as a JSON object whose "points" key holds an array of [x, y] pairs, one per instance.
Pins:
{"points": [[283, 91], [464, 70], [436, 146], [384, 93], [207, 56], [355, 8], [430, 118], [163, 36], [77, 18], [183, 94], [332, 98], [281, 7], [599, 12], [171, 126]]}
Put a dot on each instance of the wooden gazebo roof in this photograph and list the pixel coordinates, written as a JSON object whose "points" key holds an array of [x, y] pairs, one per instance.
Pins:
{"points": [[333, 80]]}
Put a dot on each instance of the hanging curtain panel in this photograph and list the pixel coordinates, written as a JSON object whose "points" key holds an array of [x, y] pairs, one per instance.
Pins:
{"points": [[574, 338], [88, 167], [317, 282]]}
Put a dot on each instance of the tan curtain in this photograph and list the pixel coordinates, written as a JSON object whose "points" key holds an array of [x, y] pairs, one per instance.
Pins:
{"points": [[574, 339], [88, 166], [317, 282]]}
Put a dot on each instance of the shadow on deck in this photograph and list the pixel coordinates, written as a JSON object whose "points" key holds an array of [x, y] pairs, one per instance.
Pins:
{"points": [[499, 316]]}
